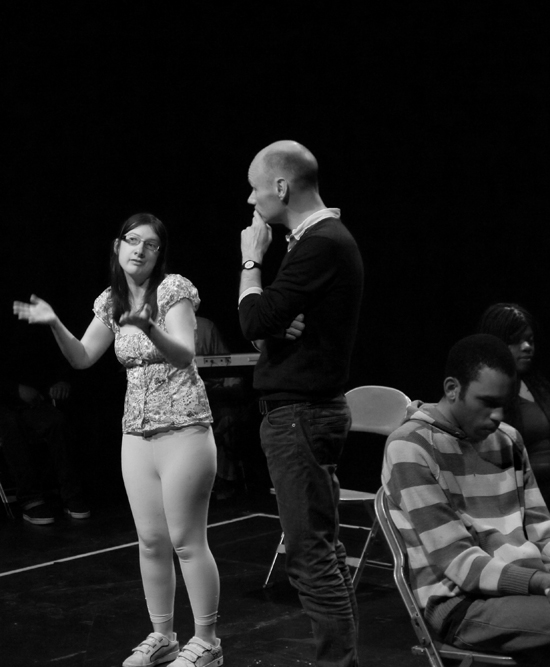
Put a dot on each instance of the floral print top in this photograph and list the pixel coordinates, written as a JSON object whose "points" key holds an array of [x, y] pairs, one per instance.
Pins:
{"points": [[159, 396]]}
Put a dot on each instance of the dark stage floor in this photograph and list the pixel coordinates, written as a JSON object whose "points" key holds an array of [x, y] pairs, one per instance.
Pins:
{"points": [[71, 593]]}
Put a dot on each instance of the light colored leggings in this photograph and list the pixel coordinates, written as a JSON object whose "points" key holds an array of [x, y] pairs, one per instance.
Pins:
{"points": [[168, 479]]}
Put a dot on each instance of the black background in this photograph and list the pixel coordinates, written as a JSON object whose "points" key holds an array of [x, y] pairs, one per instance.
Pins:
{"points": [[429, 121]]}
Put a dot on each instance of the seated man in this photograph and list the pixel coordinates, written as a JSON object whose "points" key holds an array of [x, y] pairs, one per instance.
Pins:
{"points": [[462, 493], [35, 434], [30, 426]]}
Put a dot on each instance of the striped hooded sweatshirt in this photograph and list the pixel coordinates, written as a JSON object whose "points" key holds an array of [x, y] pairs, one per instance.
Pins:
{"points": [[471, 515]]}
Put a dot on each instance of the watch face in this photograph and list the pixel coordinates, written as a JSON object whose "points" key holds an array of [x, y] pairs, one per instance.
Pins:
{"points": [[250, 264]]}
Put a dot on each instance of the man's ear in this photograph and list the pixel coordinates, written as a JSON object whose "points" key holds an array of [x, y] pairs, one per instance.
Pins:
{"points": [[451, 387], [283, 190]]}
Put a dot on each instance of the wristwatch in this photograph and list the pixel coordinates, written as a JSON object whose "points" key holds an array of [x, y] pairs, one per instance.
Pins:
{"points": [[250, 264]]}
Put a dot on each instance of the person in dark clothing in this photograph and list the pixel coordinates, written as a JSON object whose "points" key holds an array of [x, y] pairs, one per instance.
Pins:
{"points": [[301, 376], [529, 412], [34, 433]]}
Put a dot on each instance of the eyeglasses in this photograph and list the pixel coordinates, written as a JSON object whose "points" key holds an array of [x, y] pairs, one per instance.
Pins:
{"points": [[134, 240]]}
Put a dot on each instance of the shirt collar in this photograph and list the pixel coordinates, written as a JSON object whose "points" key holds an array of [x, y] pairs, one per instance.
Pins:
{"points": [[311, 220]]}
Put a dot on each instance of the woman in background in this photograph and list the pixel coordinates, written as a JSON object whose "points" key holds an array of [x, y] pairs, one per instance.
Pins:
{"points": [[168, 450], [529, 412]]}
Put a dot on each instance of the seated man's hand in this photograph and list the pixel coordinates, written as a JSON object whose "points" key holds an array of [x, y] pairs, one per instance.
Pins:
{"points": [[540, 584], [296, 327], [60, 391], [29, 395]]}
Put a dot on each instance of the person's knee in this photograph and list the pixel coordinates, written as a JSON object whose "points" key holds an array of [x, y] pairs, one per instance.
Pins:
{"points": [[185, 553], [187, 549], [153, 546]]}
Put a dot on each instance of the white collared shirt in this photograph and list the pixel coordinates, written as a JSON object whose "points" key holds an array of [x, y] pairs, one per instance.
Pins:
{"points": [[311, 220], [250, 290]]}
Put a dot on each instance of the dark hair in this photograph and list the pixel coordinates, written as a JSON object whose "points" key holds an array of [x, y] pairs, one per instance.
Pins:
{"points": [[299, 165], [507, 321], [469, 355], [120, 296]]}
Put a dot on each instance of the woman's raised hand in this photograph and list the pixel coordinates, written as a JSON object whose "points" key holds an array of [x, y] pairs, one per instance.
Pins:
{"points": [[35, 312], [140, 318]]}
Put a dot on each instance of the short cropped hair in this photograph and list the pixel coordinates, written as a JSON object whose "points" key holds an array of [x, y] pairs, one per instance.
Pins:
{"points": [[300, 167], [469, 355]]}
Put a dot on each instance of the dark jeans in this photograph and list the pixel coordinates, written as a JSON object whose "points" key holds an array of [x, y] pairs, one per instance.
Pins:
{"points": [[303, 443], [29, 435]]}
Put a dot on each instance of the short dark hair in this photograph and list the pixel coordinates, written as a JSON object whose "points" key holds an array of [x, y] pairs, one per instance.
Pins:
{"points": [[469, 355], [507, 321], [299, 166]]}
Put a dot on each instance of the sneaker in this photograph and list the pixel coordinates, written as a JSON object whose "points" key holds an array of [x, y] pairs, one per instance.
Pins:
{"points": [[39, 515], [198, 653], [77, 509], [155, 649]]}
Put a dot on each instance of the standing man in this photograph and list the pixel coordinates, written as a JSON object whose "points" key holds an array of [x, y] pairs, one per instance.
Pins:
{"points": [[301, 378]]}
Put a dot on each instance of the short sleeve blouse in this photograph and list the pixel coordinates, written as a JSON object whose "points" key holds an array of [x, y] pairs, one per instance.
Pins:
{"points": [[159, 396]]}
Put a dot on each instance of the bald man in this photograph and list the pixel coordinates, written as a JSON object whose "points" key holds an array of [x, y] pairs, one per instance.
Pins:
{"points": [[301, 375]]}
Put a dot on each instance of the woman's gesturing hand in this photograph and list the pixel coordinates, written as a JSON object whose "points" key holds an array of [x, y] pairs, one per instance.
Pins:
{"points": [[35, 312], [139, 318]]}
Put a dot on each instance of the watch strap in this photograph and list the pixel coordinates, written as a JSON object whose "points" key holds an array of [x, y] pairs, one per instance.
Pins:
{"points": [[250, 264]]}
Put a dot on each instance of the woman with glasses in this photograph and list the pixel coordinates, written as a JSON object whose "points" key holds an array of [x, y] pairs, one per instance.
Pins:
{"points": [[529, 411], [168, 451]]}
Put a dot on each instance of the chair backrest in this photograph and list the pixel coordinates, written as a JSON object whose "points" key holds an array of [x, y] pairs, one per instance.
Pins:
{"points": [[376, 409], [398, 550]]}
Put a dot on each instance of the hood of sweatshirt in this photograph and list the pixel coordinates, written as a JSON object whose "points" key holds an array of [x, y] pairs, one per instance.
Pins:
{"points": [[429, 413]]}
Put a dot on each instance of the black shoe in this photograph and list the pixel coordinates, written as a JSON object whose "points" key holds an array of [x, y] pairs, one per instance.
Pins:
{"points": [[39, 515]]}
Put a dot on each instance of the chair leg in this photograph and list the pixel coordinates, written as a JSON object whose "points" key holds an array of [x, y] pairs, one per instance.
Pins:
{"points": [[357, 563], [364, 557], [432, 655], [6, 502], [280, 550], [356, 576]]}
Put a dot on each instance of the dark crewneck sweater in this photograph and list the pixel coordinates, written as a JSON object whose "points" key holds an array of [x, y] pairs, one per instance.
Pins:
{"points": [[322, 277]]}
